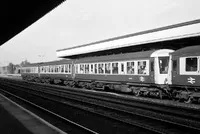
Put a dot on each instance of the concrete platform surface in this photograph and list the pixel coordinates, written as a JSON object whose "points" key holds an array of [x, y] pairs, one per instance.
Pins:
{"points": [[15, 119]]}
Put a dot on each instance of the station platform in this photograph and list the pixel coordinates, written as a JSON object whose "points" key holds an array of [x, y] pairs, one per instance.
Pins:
{"points": [[13, 76], [15, 119]]}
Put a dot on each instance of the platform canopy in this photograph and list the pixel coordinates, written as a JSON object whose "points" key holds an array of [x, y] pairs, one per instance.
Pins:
{"points": [[179, 31], [16, 15]]}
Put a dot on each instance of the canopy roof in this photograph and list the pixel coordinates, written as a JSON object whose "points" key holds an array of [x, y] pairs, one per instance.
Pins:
{"points": [[168, 33]]}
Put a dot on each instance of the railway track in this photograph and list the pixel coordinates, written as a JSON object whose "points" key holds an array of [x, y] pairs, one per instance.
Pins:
{"points": [[153, 117], [71, 127], [100, 123]]}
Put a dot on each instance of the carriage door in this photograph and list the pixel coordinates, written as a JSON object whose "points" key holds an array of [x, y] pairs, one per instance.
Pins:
{"points": [[74, 70], [161, 69], [152, 66]]}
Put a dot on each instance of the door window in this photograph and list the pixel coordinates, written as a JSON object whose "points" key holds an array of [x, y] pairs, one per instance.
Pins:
{"points": [[163, 65]]}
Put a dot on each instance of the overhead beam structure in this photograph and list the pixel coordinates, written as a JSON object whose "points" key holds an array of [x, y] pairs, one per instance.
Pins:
{"points": [[16, 15]]}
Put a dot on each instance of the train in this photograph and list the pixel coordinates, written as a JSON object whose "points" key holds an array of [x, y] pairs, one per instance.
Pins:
{"points": [[162, 73]]}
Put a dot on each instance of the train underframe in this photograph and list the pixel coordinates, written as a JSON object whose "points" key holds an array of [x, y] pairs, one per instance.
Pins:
{"points": [[177, 93], [187, 94]]}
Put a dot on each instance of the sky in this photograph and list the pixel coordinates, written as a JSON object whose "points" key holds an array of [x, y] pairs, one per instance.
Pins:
{"points": [[77, 22]]}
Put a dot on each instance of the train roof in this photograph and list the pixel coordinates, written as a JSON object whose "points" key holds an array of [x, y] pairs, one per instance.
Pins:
{"points": [[188, 51], [117, 57], [57, 62], [31, 65]]}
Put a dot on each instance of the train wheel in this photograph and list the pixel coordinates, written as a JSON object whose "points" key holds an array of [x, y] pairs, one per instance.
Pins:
{"points": [[160, 95], [188, 100], [137, 93], [198, 100]]}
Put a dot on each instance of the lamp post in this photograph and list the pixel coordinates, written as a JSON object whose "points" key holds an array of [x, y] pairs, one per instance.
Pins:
{"points": [[42, 57]]}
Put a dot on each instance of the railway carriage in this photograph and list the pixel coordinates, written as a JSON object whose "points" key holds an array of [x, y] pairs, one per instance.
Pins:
{"points": [[164, 72], [56, 71], [131, 72], [185, 74], [30, 72], [50, 72]]}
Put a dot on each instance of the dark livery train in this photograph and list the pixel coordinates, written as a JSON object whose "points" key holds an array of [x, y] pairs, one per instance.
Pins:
{"points": [[156, 73]]}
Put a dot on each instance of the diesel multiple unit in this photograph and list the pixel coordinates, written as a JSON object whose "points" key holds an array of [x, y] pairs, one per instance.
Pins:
{"points": [[156, 73]]}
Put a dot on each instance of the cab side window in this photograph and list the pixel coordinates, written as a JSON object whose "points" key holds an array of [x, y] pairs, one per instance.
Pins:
{"points": [[189, 65]]}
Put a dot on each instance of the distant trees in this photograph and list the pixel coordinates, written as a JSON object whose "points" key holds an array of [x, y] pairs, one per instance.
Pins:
{"points": [[13, 69], [10, 68], [24, 63]]}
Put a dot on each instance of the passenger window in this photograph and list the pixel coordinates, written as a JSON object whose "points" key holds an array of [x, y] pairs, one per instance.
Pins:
{"points": [[48, 69], [142, 67], [130, 68], [66, 68], [101, 70], [191, 64], [81, 68], [107, 68], [76, 70], [55, 69], [122, 71], [70, 68], [91, 68], [52, 69], [114, 68], [62, 68], [59, 68], [87, 68], [95, 68], [45, 68], [163, 65]]}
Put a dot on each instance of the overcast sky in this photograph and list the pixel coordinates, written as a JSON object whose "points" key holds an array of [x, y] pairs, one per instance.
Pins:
{"points": [[77, 22]]}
